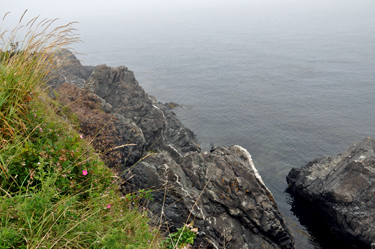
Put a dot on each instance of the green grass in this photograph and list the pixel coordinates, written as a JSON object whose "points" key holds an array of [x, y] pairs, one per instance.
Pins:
{"points": [[55, 191]]}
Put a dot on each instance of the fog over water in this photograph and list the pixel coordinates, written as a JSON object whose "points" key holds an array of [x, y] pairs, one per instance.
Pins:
{"points": [[289, 80]]}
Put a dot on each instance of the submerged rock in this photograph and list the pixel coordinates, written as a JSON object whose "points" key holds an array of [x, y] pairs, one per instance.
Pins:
{"points": [[172, 105], [342, 189]]}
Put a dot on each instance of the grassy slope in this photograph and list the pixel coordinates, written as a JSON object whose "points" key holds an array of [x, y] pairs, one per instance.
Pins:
{"points": [[48, 200], [55, 192]]}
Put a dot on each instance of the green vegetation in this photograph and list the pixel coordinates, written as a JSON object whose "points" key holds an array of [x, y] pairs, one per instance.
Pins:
{"points": [[55, 192], [184, 235]]}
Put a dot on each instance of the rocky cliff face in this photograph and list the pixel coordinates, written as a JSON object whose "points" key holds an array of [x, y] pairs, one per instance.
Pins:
{"points": [[221, 191], [119, 88], [342, 188]]}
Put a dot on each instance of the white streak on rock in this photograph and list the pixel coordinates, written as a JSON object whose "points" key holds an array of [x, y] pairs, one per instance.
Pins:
{"points": [[166, 173], [253, 169], [165, 119], [178, 132], [173, 148], [187, 194]]}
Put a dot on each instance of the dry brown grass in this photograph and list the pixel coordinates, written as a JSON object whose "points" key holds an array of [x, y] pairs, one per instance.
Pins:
{"points": [[27, 56]]}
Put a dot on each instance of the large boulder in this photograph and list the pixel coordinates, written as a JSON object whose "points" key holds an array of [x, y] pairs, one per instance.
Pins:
{"points": [[221, 191], [342, 188]]}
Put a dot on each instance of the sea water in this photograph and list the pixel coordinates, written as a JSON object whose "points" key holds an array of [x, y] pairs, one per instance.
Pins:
{"points": [[287, 85], [287, 80]]}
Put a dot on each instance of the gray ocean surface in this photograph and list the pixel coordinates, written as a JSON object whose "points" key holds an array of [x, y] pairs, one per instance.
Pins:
{"points": [[287, 81]]}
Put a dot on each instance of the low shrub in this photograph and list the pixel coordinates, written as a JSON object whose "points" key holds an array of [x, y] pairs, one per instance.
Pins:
{"points": [[184, 235]]}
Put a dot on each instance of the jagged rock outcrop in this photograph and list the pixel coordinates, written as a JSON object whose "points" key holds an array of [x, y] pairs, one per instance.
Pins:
{"points": [[222, 190], [342, 188], [161, 128], [69, 70], [121, 94]]}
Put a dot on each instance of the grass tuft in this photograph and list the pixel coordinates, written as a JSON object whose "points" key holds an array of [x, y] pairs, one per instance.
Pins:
{"points": [[27, 56]]}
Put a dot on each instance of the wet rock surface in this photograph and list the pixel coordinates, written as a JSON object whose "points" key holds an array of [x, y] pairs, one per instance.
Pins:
{"points": [[342, 189], [221, 190]]}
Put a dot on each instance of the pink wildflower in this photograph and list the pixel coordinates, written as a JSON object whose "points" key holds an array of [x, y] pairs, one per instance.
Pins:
{"points": [[34, 114], [108, 206], [84, 172], [81, 136]]}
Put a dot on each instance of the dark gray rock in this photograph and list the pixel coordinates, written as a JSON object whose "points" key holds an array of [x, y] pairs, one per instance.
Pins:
{"points": [[213, 147], [69, 70], [159, 124], [130, 136], [175, 134], [221, 192], [89, 70], [342, 188]]}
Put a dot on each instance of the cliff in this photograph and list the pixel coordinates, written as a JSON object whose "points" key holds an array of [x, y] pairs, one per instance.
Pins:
{"points": [[221, 191]]}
